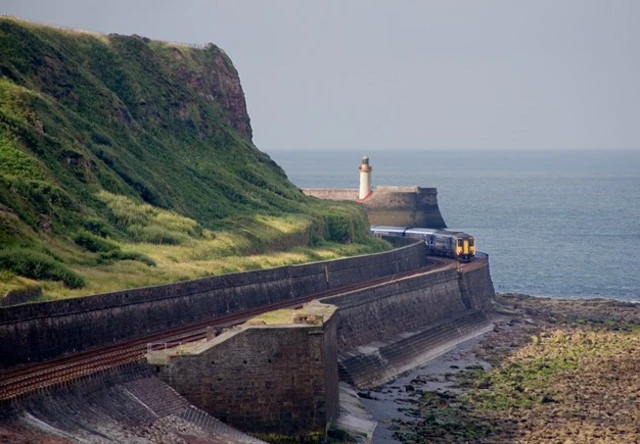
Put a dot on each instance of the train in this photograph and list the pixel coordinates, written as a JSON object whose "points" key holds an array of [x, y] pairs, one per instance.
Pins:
{"points": [[454, 244]]}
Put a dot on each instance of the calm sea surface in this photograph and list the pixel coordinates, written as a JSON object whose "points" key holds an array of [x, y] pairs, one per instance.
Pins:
{"points": [[555, 223]]}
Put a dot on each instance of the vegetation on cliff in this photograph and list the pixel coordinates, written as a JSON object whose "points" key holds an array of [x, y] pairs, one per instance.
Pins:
{"points": [[128, 162]]}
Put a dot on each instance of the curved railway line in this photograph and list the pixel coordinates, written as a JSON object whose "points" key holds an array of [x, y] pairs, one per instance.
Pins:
{"points": [[24, 380]]}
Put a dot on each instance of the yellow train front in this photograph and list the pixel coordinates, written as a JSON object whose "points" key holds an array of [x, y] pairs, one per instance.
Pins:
{"points": [[453, 244], [465, 247]]}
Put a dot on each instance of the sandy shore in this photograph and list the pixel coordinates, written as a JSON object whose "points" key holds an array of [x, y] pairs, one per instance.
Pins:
{"points": [[552, 370]]}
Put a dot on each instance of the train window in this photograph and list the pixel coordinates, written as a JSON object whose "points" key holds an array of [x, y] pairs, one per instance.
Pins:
{"points": [[459, 242], [471, 242]]}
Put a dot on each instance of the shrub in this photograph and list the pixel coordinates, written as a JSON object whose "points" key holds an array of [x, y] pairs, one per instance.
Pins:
{"points": [[91, 242], [35, 265], [97, 227], [118, 255], [101, 138], [156, 235], [338, 228]]}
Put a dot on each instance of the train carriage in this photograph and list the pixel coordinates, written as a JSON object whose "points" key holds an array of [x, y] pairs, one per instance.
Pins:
{"points": [[385, 230], [453, 244]]}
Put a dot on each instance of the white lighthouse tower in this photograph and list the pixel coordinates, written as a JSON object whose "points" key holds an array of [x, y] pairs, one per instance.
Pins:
{"points": [[365, 178]]}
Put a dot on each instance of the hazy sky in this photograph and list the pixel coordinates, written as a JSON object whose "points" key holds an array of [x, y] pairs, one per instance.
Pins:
{"points": [[373, 75]]}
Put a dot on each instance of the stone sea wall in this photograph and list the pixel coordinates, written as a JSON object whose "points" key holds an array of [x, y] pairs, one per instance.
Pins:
{"points": [[264, 379], [388, 329], [40, 331], [125, 404]]}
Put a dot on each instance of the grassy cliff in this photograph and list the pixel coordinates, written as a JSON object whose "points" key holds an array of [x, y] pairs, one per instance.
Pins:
{"points": [[128, 162]]}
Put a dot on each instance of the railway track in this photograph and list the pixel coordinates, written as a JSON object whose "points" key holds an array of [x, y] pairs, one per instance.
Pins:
{"points": [[24, 380]]}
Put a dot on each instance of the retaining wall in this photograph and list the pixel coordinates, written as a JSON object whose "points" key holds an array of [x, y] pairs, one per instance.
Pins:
{"points": [[382, 361], [123, 405], [476, 286], [386, 310], [387, 327], [279, 380], [40, 331]]}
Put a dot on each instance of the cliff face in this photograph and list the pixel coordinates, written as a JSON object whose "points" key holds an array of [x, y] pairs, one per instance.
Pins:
{"points": [[119, 148], [218, 82], [156, 122]]}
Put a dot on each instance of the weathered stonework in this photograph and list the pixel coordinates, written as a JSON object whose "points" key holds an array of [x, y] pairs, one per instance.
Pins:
{"points": [[272, 377], [388, 329], [278, 375], [266, 379], [39, 331], [122, 405]]}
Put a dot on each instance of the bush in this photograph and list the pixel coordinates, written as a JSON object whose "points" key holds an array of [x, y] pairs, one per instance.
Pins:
{"points": [[35, 265], [91, 242], [127, 256], [97, 227], [338, 228], [101, 138], [156, 235]]}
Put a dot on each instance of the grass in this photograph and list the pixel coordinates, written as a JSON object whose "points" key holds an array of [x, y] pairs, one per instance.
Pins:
{"points": [[91, 242], [39, 266], [9, 282], [117, 153], [175, 263]]}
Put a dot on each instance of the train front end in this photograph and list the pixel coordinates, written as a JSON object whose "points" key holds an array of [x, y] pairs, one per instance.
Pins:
{"points": [[465, 248]]}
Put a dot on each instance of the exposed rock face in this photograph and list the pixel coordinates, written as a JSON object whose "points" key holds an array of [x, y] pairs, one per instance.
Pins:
{"points": [[220, 82]]}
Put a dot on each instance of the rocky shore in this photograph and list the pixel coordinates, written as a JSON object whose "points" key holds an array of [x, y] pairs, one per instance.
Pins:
{"points": [[552, 370]]}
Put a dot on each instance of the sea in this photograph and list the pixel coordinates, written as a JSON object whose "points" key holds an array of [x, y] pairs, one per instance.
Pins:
{"points": [[554, 223]]}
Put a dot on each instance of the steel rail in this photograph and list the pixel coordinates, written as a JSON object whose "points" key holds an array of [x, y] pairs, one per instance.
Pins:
{"points": [[27, 379]]}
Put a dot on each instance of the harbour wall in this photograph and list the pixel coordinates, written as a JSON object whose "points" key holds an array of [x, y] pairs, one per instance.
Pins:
{"points": [[390, 205], [39, 331]]}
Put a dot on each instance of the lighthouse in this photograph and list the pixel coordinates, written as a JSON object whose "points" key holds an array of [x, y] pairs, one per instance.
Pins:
{"points": [[365, 178]]}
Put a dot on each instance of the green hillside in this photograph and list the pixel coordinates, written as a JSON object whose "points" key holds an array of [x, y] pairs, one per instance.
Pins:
{"points": [[128, 162]]}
